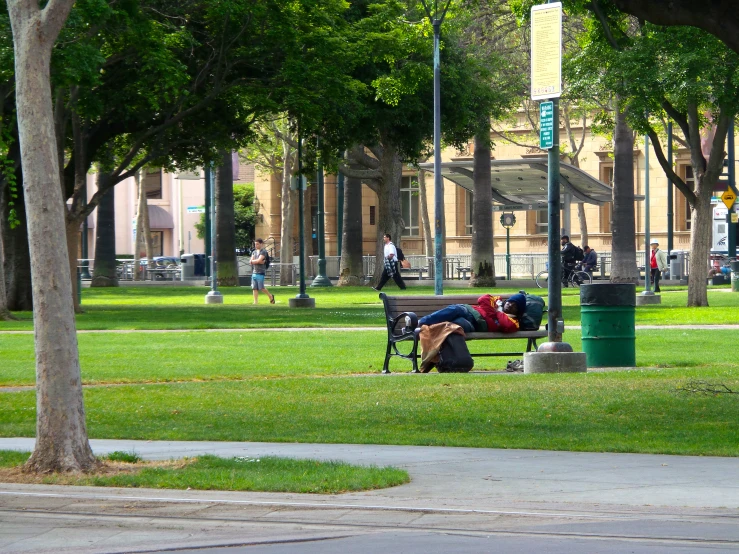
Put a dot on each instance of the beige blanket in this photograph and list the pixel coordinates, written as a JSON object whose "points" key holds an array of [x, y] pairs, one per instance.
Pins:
{"points": [[431, 339]]}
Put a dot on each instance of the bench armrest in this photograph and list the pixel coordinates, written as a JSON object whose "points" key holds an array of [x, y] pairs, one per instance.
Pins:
{"points": [[405, 330]]}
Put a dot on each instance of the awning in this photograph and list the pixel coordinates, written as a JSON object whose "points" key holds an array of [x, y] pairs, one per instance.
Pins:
{"points": [[522, 184], [159, 218]]}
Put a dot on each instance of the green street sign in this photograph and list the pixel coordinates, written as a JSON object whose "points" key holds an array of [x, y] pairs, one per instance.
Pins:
{"points": [[546, 125]]}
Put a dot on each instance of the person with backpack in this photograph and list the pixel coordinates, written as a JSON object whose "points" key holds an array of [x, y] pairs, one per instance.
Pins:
{"points": [[571, 254], [392, 267], [259, 262]]}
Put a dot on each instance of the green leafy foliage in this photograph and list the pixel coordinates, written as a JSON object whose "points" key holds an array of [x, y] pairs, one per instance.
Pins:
{"points": [[245, 217]]}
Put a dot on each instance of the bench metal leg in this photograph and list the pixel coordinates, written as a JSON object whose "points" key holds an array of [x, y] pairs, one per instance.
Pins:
{"points": [[414, 355], [386, 366], [532, 342]]}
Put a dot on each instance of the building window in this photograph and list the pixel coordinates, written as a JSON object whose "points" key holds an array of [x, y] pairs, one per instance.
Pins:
{"points": [[542, 222], [606, 210], [372, 215], [153, 184], [683, 213], [468, 203], [409, 206]]}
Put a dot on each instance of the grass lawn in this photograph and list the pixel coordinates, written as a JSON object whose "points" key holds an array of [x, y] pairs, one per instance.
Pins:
{"points": [[325, 387], [111, 358], [268, 474], [184, 308]]}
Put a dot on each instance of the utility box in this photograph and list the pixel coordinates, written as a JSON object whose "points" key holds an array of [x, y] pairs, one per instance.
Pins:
{"points": [[188, 266]]}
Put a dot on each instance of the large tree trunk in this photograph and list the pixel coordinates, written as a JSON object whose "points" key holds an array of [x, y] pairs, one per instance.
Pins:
{"points": [[17, 266], [5, 314], [104, 270], [61, 433], [140, 209], [390, 218], [308, 225], [72, 231], [483, 260], [351, 272], [287, 207], [583, 224], [4, 311], [228, 267], [623, 259], [700, 245], [147, 240], [428, 238]]}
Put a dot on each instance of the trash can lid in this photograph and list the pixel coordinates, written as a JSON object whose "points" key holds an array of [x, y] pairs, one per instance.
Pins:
{"points": [[608, 294]]}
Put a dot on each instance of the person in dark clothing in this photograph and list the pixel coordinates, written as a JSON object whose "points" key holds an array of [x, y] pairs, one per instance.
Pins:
{"points": [[568, 259], [590, 260], [392, 266]]}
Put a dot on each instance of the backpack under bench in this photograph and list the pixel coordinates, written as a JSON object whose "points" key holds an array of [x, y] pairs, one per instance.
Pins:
{"points": [[415, 307]]}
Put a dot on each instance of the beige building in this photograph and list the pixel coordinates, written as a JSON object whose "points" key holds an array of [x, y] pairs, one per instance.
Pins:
{"points": [[529, 235]]}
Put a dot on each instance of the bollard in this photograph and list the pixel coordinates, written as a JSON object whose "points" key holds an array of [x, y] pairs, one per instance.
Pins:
{"points": [[607, 314]]}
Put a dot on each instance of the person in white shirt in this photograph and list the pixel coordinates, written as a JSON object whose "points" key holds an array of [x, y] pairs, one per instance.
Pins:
{"points": [[392, 267]]}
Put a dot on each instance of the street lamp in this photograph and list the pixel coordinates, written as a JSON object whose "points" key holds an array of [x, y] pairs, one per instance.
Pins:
{"points": [[436, 18], [508, 220]]}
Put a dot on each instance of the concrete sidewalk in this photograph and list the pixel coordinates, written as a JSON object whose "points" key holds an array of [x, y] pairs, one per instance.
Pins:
{"points": [[471, 489]]}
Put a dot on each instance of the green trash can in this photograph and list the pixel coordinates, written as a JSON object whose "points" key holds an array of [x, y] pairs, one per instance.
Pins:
{"points": [[734, 276], [607, 315]]}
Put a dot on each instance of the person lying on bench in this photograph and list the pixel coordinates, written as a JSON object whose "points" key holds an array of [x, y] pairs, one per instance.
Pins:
{"points": [[490, 314]]}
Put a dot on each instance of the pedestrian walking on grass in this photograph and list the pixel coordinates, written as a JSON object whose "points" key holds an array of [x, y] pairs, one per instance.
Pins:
{"points": [[392, 267], [258, 258], [657, 263]]}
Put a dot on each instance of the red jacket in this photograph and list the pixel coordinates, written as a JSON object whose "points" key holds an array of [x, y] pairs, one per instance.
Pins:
{"points": [[497, 320]]}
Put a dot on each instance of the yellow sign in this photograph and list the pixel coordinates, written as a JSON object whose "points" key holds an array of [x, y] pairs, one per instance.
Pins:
{"points": [[546, 51], [728, 197], [734, 217]]}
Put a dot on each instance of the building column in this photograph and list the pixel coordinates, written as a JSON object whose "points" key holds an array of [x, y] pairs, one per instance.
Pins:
{"points": [[331, 224]]}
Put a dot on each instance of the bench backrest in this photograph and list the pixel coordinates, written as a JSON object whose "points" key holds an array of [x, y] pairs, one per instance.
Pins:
{"points": [[424, 305]]}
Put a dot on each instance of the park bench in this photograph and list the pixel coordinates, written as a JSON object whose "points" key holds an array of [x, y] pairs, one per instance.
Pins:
{"points": [[397, 308]]}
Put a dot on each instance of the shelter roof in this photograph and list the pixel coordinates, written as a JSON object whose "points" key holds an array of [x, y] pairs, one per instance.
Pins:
{"points": [[522, 184]]}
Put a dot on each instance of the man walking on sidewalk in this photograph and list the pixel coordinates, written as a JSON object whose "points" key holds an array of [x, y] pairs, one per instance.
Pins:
{"points": [[392, 267]]}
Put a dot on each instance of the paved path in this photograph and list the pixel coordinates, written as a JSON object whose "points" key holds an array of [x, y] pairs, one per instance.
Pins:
{"points": [[676, 503]]}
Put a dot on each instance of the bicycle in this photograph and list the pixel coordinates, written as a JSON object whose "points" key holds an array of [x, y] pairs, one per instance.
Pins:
{"points": [[575, 278]]}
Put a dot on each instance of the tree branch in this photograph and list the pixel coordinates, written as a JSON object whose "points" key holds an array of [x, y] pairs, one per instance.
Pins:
{"points": [[676, 180]]}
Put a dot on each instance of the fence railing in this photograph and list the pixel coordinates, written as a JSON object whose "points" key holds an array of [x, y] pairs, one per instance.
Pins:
{"points": [[456, 266]]}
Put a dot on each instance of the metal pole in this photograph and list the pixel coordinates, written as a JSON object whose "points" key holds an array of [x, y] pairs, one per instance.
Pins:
{"points": [[213, 297], [213, 234], [647, 264], [321, 280], [301, 218], [731, 227], [508, 252], [438, 182], [670, 213], [554, 284], [208, 250]]}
